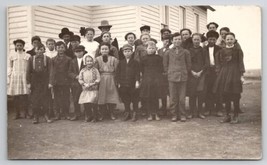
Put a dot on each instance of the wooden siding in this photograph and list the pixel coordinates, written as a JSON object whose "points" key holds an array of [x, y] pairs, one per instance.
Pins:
{"points": [[122, 19], [49, 20], [17, 17]]}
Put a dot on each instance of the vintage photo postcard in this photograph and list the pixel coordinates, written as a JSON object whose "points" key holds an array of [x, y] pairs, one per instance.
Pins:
{"points": [[134, 82]]}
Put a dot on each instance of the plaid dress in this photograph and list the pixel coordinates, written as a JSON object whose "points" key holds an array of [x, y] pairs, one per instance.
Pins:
{"points": [[18, 63]]}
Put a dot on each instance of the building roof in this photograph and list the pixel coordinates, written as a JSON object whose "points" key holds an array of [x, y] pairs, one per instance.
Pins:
{"points": [[207, 7]]}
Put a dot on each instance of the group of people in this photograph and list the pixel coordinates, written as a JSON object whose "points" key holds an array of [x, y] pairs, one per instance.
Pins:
{"points": [[206, 68]]}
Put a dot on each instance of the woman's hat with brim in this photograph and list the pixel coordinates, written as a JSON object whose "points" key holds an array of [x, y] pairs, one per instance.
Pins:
{"points": [[65, 31], [104, 23]]}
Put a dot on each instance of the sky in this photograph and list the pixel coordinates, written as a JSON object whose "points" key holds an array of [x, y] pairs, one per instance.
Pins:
{"points": [[245, 22]]}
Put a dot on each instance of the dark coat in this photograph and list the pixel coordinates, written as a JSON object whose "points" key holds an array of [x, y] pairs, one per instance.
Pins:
{"points": [[139, 53], [128, 73], [187, 44], [199, 62], [152, 81], [230, 67], [60, 67], [74, 71], [31, 52], [177, 64]]}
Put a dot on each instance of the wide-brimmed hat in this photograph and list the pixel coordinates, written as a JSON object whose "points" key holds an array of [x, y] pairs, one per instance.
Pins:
{"points": [[65, 31], [75, 38], [104, 23]]}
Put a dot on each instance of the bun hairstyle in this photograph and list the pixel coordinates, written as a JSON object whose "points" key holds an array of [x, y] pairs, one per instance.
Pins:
{"points": [[84, 30]]}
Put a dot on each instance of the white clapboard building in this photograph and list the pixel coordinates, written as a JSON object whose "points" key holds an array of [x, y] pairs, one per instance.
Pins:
{"points": [[47, 21]]}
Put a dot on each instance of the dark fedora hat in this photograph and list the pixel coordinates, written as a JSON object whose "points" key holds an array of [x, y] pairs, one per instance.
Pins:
{"points": [[104, 23], [65, 31]]}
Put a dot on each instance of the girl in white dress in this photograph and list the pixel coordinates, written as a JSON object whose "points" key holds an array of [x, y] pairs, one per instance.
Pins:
{"points": [[89, 44]]}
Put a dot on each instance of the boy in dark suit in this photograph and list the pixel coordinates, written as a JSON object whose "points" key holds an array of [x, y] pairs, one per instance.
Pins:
{"points": [[35, 41], [38, 74], [128, 76], [212, 100], [61, 82], [76, 66]]}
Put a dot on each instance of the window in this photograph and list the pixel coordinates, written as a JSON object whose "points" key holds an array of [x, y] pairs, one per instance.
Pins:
{"points": [[196, 23], [164, 16], [182, 17]]}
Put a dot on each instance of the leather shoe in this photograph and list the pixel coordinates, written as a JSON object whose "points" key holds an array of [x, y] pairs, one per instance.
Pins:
{"points": [[174, 119], [226, 119], [157, 117], [183, 119]]}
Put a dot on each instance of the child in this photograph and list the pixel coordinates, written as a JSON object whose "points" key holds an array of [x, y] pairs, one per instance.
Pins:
{"points": [[113, 51], [177, 64], [60, 81], [141, 49], [107, 65], [144, 30], [89, 79], [90, 45], [38, 74], [230, 69], [212, 101], [129, 38], [76, 65], [51, 52], [151, 88], [17, 84], [75, 41], [35, 41], [51, 45], [128, 76], [161, 52], [196, 78]]}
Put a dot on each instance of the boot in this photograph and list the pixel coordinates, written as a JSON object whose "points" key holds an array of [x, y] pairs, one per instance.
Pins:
{"points": [[126, 116], [157, 117], [234, 120], [134, 118], [47, 119], [112, 116], [35, 119], [150, 117], [226, 119]]}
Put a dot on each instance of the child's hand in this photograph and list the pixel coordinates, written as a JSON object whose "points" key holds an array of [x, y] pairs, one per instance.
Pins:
{"points": [[50, 86], [137, 84], [242, 79], [77, 77], [29, 86]]}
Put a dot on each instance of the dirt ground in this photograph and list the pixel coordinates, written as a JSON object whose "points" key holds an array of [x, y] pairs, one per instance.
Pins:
{"points": [[194, 139]]}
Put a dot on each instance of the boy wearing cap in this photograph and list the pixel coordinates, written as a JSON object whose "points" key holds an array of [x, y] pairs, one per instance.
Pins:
{"points": [[35, 41], [76, 66], [65, 35], [212, 101], [144, 30], [128, 77], [165, 32]]}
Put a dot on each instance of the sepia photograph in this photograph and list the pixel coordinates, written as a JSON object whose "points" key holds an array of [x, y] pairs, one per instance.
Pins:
{"points": [[134, 82]]}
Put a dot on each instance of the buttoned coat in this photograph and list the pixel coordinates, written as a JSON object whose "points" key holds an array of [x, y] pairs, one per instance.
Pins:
{"points": [[177, 64]]}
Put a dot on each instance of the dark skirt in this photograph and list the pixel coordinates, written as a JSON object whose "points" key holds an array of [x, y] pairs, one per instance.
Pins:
{"points": [[153, 88]]}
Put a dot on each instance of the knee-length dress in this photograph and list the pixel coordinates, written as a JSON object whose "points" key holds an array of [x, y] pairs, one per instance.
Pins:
{"points": [[17, 71], [152, 85], [230, 68], [108, 92], [86, 76]]}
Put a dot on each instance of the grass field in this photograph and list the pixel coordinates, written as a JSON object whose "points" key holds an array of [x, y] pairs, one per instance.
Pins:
{"points": [[194, 139]]}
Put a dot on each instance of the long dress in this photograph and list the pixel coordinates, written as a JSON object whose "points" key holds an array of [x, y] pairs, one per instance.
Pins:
{"points": [[230, 68], [18, 63], [108, 92], [152, 85], [89, 75]]}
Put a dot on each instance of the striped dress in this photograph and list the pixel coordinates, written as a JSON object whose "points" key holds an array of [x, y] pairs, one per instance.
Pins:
{"points": [[17, 84]]}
